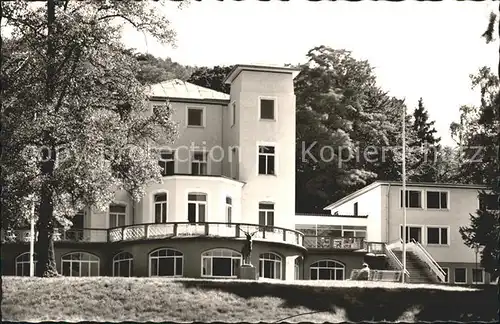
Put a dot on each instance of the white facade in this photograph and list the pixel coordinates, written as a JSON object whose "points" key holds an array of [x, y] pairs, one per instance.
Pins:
{"points": [[433, 221], [228, 133]]}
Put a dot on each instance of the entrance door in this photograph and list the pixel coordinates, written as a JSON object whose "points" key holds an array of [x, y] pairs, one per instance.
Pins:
{"points": [[412, 233]]}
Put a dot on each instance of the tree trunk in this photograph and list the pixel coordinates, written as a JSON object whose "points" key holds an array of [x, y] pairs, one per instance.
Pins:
{"points": [[46, 264], [498, 154]]}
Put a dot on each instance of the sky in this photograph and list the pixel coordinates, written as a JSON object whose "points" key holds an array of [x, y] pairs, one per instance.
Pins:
{"points": [[418, 49]]}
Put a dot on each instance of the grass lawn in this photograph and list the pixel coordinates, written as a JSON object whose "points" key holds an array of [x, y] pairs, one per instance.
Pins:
{"points": [[188, 300]]}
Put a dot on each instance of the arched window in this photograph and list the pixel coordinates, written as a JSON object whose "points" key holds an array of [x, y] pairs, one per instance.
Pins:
{"points": [[166, 263], [327, 270], [160, 207], [220, 263], [123, 264], [270, 266], [23, 264], [80, 264]]}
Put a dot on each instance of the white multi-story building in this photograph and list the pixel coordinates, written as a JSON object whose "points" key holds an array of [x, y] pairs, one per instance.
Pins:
{"points": [[434, 214], [230, 172]]}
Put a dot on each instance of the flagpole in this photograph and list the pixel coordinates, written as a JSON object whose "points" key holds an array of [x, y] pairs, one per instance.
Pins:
{"points": [[32, 241], [404, 194]]}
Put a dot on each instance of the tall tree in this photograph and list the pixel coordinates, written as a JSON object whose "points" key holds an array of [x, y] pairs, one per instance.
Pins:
{"points": [[155, 70], [426, 145], [484, 229], [424, 128], [477, 132], [348, 129], [212, 78], [76, 121]]}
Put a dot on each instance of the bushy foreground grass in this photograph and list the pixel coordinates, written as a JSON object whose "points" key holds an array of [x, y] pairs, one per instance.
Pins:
{"points": [[168, 300]]}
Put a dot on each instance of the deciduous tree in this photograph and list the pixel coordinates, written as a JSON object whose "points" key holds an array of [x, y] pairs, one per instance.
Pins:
{"points": [[76, 121], [212, 78]]}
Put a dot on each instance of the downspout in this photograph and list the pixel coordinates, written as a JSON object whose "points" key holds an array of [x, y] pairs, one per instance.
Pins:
{"points": [[133, 207], [133, 212], [388, 214]]}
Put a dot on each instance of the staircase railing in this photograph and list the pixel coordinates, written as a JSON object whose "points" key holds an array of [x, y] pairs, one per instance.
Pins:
{"points": [[426, 257], [395, 244], [394, 260]]}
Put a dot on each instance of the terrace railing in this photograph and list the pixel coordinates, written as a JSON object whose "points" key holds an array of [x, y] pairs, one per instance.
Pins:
{"points": [[328, 242], [165, 230], [60, 235], [375, 247]]}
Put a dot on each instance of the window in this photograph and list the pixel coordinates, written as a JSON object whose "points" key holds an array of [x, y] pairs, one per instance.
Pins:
{"points": [[123, 264], [199, 163], [166, 263], [489, 202], [270, 266], [234, 162], [195, 117], [160, 207], [233, 113], [478, 276], [266, 215], [221, 263], [437, 235], [80, 264], [117, 215], [266, 160], [327, 270], [446, 275], [297, 268], [23, 264], [77, 220], [229, 210], [197, 207], [493, 282], [460, 275], [159, 107], [167, 163], [412, 233], [333, 231], [413, 199], [355, 209], [437, 200], [267, 109]]}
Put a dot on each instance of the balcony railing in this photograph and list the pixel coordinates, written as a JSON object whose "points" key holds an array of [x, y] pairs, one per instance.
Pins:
{"points": [[165, 230], [339, 243], [60, 235]]}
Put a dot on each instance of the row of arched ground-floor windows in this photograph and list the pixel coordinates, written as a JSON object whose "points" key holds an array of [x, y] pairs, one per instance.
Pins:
{"points": [[166, 262]]}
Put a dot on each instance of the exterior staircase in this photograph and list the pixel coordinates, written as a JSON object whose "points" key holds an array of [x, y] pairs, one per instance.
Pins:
{"points": [[418, 271]]}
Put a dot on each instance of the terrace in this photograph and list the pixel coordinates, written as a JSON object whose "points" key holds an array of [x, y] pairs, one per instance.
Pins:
{"points": [[163, 231], [343, 240]]}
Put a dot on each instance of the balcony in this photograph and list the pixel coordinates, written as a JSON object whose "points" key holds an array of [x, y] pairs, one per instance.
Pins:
{"points": [[165, 230], [334, 243]]}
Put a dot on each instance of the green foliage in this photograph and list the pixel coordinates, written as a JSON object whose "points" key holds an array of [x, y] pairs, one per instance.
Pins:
{"points": [[484, 231], [211, 78], [339, 106], [477, 132], [426, 145], [155, 70], [77, 123]]}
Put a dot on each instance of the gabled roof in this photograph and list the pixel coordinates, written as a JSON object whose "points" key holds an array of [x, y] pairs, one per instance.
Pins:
{"points": [[179, 89], [399, 183]]}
